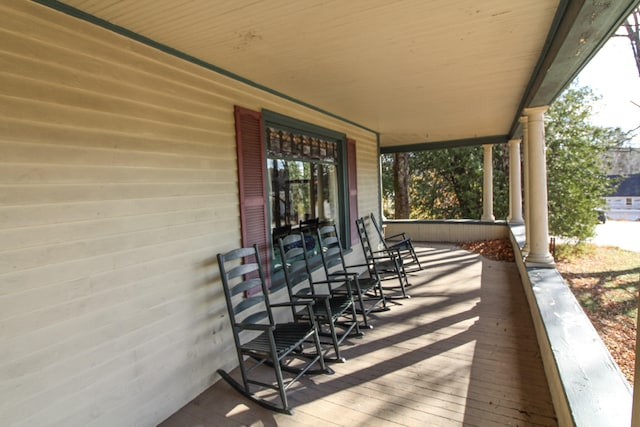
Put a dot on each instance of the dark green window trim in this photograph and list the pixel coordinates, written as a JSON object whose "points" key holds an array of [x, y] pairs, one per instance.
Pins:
{"points": [[273, 119]]}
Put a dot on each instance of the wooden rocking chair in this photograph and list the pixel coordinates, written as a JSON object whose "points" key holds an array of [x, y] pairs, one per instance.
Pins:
{"points": [[365, 288], [257, 335], [333, 310], [399, 242], [387, 263]]}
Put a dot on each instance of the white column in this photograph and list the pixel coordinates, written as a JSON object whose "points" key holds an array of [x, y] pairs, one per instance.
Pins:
{"points": [[539, 219], [527, 189], [487, 187], [635, 412], [515, 186]]}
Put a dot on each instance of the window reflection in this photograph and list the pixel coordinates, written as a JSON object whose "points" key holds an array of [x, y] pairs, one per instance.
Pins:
{"points": [[301, 191], [303, 185]]}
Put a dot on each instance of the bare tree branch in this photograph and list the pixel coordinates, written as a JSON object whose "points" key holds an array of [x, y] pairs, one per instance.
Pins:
{"points": [[631, 29]]}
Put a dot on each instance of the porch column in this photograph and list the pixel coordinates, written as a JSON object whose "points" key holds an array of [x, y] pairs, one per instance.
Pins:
{"points": [[635, 411], [527, 189], [539, 215], [515, 186], [487, 187]]}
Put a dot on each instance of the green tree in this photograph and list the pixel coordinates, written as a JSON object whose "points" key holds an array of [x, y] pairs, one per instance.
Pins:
{"points": [[447, 184], [388, 195], [576, 165], [401, 185]]}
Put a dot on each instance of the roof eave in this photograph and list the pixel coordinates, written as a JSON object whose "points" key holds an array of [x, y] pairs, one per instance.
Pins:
{"points": [[580, 30]]}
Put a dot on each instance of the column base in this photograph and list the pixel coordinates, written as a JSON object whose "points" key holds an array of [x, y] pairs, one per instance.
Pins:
{"points": [[540, 260], [488, 218]]}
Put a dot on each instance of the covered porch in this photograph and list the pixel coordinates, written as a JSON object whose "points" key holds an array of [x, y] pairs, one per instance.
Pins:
{"points": [[462, 350], [120, 180]]}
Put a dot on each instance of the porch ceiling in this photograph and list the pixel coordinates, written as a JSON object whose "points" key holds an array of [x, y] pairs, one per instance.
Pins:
{"points": [[417, 72]]}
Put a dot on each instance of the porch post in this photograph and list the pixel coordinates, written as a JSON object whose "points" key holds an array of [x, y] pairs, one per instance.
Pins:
{"points": [[527, 189], [635, 411], [515, 186], [487, 187], [539, 219]]}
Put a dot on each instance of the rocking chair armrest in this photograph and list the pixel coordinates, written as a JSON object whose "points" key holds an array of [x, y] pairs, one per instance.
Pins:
{"points": [[348, 275], [356, 266], [383, 257], [316, 296], [397, 244], [404, 236], [352, 266], [292, 304], [255, 326], [387, 252], [331, 284]]}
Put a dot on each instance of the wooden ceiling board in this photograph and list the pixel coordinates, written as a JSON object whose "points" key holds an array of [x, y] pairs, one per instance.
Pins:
{"points": [[413, 70]]}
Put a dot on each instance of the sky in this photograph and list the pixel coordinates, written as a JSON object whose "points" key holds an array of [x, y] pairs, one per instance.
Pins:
{"points": [[613, 75]]}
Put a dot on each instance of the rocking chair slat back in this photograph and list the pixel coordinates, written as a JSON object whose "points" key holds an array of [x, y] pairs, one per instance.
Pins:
{"points": [[259, 340]]}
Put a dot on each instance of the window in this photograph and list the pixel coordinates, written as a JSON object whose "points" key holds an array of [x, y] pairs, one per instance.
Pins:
{"points": [[303, 179], [303, 187], [290, 172]]}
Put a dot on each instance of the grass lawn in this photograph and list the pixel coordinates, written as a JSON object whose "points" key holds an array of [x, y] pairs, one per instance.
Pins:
{"points": [[605, 281]]}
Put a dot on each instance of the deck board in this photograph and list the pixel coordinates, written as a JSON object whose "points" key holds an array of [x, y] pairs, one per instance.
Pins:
{"points": [[461, 351]]}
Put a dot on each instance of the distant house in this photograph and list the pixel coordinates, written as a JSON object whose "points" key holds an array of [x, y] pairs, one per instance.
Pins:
{"points": [[624, 203]]}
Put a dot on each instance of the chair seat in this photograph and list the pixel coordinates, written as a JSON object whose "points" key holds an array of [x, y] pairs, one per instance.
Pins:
{"points": [[287, 336], [337, 304], [366, 284], [388, 265]]}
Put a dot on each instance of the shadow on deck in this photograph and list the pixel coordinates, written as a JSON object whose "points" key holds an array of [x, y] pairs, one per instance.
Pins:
{"points": [[461, 351]]}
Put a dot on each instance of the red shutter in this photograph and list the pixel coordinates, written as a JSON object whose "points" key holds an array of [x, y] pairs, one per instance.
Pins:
{"points": [[251, 183], [353, 189]]}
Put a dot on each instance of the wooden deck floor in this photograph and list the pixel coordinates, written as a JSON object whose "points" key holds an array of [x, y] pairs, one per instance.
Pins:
{"points": [[461, 351]]}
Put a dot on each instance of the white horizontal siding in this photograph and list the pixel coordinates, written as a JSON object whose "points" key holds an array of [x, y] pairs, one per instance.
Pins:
{"points": [[368, 177], [117, 188], [448, 231]]}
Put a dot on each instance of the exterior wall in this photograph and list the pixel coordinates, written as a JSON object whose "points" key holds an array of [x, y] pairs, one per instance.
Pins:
{"points": [[117, 189], [448, 231]]}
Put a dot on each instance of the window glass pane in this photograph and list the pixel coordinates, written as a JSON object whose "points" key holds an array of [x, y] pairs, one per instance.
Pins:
{"points": [[300, 191], [304, 191]]}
